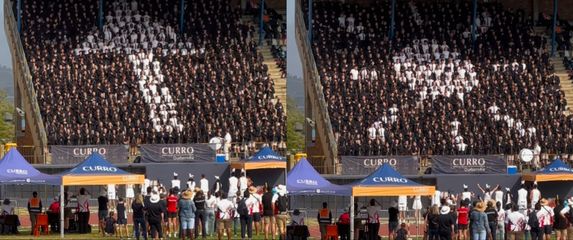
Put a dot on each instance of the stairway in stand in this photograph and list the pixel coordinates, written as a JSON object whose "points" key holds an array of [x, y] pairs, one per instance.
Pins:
{"points": [[274, 71]]}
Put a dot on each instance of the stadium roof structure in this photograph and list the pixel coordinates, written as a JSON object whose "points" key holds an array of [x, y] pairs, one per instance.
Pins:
{"points": [[386, 181], [95, 170], [303, 179], [556, 171], [265, 158], [14, 169]]}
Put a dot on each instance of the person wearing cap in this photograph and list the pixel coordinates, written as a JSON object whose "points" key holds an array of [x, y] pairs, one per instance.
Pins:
{"points": [[204, 184], [191, 182], [446, 223], [175, 182], [522, 197], [53, 214], [187, 211], [324, 218], [479, 222], [102, 211], [155, 211], [545, 216], [487, 192]]}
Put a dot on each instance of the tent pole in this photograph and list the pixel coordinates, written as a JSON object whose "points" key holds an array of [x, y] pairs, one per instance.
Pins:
{"points": [[62, 211], [351, 217]]}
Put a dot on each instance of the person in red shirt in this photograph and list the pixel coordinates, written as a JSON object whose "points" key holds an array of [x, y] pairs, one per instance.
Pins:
{"points": [[463, 216], [172, 213], [344, 225], [53, 215]]}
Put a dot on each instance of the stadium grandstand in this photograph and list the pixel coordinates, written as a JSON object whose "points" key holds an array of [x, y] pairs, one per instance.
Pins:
{"points": [[121, 72], [422, 78]]}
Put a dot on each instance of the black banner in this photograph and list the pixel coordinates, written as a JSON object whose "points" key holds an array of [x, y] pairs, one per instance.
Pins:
{"points": [[66, 154], [159, 153], [364, 165], [469, 164]]}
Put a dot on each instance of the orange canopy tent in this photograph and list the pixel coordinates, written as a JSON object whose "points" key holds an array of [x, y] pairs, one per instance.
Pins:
{"points": [[556, 171], [95, 170], [265, 158], [386, 182]]}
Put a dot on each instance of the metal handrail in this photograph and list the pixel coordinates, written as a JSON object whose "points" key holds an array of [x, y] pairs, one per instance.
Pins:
{"points": [[22, 72], [316, 87]]}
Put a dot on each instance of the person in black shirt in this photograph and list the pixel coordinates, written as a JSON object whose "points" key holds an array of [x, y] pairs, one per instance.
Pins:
{"points": [[121, 218], [491, 213], [393, 213], [155, 211], [201, 214], [445, 224], [139, 217], [268, 212], [102, 202]]}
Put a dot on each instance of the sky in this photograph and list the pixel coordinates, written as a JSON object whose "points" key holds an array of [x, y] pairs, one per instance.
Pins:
{"points": [[294, 67], [5, 60]]}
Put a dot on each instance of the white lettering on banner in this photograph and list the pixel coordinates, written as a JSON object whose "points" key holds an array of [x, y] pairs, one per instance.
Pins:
{"points": [[307, 182], [88, 151], [390, 179], [560, 169], [99, 168], [468, 162], [375, 162], [17, 171], [177, 150]]}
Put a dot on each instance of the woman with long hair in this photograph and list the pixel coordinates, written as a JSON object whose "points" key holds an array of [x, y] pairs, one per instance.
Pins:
{"points": [[433, 222], [479, 224], [139, 216]]}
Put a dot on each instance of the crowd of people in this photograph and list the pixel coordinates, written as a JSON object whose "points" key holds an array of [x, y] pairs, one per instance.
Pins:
{"points": [[185, 209], [430, 90], [138, 79]]}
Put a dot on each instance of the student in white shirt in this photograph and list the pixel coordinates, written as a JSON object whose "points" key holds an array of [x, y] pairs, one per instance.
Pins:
{"points": [[204, 184]]}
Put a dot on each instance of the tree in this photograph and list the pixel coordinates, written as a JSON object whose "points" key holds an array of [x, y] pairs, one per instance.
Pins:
{"points": [[295, 138], [7, 132]]}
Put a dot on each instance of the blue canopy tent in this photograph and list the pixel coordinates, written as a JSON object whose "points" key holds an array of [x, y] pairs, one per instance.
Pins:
{"points": [[556, 171], [14, 169], [303, 179], [95, 170]]}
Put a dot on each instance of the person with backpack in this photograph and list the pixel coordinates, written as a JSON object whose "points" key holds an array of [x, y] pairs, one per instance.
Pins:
{"points": [[281, 215], [545, 216], [515, 223], [560, 223], [245, 210], [491, 213], [533, 223]]}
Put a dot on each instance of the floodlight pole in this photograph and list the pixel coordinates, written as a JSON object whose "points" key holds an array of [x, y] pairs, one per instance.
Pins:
{"points": [[554, 29], [181, 16], [62, 206], [474, 22], [261, 23], [352, 217], [309, 21]]}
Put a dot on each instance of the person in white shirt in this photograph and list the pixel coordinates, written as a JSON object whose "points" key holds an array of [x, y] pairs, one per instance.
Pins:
{"points": [[191, 182], [515, 223], [175, 182], [224, 210], [204, 184], [535, 194], [403, 206], [111, 195], [487, 192], [466, 194], [233, 185], [243, 182], [545, 216], [498, 196], [256, 209], [436, 199], [500, 221], [522, 197], [210, 205]]}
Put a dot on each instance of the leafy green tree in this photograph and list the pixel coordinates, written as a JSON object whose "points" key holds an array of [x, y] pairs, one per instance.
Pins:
{"points": [[295, 120], [7, 132]]}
